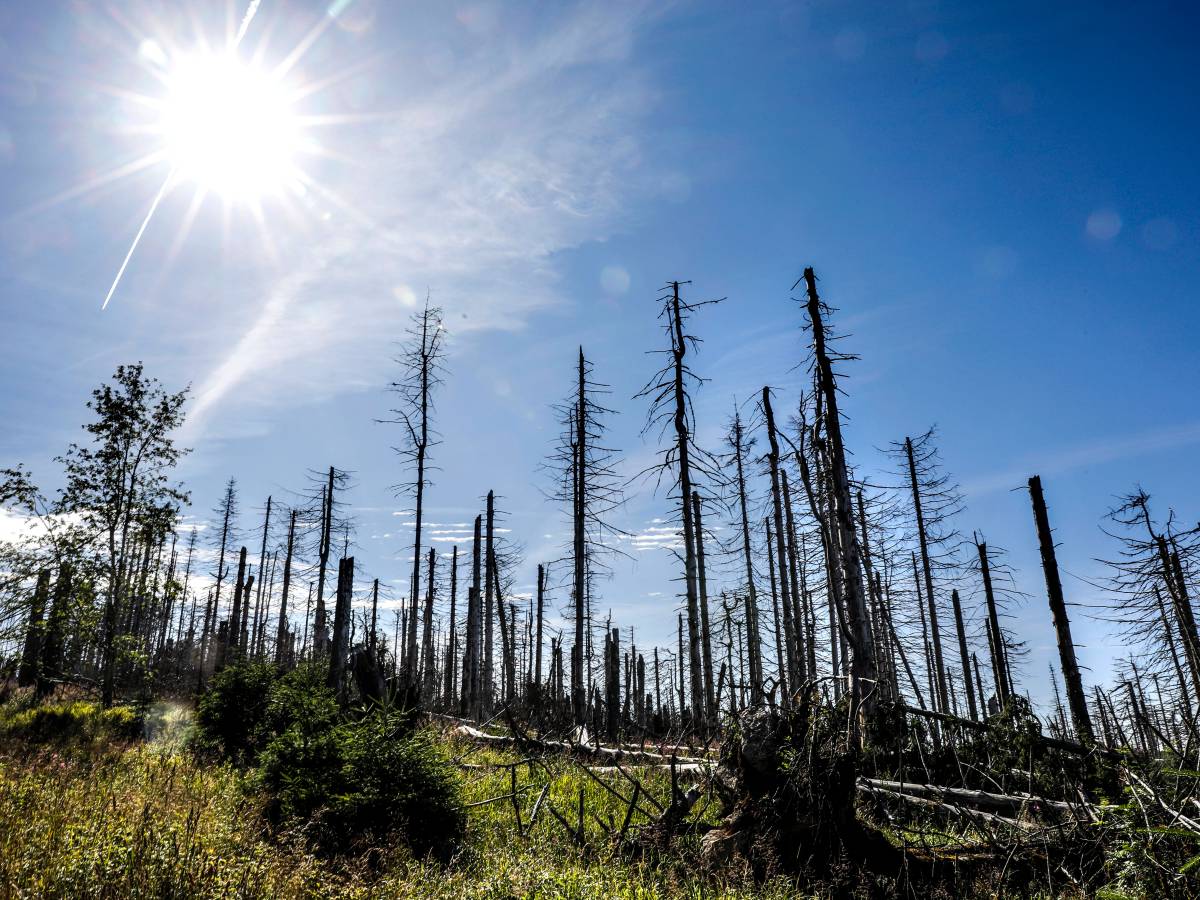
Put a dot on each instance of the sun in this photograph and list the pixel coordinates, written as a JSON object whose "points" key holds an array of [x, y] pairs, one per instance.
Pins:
{"points": [[229, 127]]}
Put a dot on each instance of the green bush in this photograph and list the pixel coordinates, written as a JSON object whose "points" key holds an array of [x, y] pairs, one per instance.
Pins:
{"points": [[346, 784], [301, 696], [361, 784], [74, 722], [246, 705], [232, 712]]}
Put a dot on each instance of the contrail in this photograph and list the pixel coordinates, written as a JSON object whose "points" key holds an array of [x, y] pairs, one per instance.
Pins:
{"points": [[137, 238], [250, 11]]}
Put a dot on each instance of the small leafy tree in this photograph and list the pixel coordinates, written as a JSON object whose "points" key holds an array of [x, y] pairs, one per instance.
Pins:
{"points": [[122, 482]]}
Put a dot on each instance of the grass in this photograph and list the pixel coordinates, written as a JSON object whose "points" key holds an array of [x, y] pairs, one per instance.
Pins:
{"points": [[147, 819]]}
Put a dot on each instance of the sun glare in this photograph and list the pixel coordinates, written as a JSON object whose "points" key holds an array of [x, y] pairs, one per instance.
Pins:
{"points": [[229, 127]]}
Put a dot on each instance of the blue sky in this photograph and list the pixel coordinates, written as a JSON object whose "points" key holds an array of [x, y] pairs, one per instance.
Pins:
{"points": [[1000, 198]]}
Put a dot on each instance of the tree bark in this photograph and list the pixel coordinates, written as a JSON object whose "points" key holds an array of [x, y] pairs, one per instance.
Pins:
{"points": [[710, 706], [1062, 624], [935, 631], [753, 642]]}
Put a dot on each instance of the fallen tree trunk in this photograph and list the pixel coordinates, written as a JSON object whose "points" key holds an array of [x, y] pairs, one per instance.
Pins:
{"points": [[1055, 743], [965, 795], [583, 750]]}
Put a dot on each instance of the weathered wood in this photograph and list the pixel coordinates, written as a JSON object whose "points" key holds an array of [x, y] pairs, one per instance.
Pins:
{"points": [[973, 797], [935, 631], [1076, 699]]}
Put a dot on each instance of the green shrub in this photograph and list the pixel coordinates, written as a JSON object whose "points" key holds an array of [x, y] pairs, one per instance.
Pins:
{"points": [[231, 713], [121, 723], [301, 696], [360, 784], [246, 705], [73, 722]]}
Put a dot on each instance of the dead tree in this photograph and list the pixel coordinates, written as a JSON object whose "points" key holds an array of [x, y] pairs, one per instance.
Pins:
{"points": [[670, 405], [793, 652], [451, 668], [862, 669], [339, 645], [428, 663], [262, 571], [587, 486], [227, 510], [738, 446], [421, 373], [935, 630], [537, 647], [995, 634], [320, 629], [710, 703], [964, 655], [1151, 602], [612, 683], [282, 631], [472, 674], [232, 646], [1076, 698]]}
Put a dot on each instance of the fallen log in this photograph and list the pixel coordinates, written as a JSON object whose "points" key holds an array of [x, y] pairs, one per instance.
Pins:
{"points": [[971, 725], [951, 809], [967, 795], [590, 752]]}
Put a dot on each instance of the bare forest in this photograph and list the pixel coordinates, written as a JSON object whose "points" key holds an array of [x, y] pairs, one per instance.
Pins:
{"points": [[845, 704]]}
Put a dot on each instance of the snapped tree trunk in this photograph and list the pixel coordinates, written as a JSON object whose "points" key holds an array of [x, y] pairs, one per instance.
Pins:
{"points": [[935, 632], [1076, 699]]}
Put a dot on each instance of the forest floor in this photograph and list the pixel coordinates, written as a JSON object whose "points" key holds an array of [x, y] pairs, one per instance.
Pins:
{"points": [[150, 819]]}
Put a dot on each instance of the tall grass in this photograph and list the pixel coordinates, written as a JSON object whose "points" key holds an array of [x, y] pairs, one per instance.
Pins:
{"points": [[151, 820]]}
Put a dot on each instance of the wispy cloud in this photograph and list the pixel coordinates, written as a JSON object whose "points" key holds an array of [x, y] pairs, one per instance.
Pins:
{"points": [[1069, 459], [470, 189]]}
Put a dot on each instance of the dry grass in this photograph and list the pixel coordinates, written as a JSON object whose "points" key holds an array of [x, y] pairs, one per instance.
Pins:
{"points": [[151, 821]]}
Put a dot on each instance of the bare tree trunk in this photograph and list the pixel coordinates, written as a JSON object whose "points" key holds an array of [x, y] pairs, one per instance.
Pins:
{"points": [[489, 610], [373, 634], [579, 543], [780, 654], [999, 661], [1169, 640], [1062, 624], [1184, 617], [927, 650], [705, 634], [753, 642], [935, 632], [785, 597], [472, 675], [541, 598], [452, 638], [339, 645], [612, 683], [679, 664], [864, 686], [683, 442], [798, 617], [964, 656], [879, 613], [262, 564], [428, 666], [230, 649], [320, 630], [508, 638]]}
